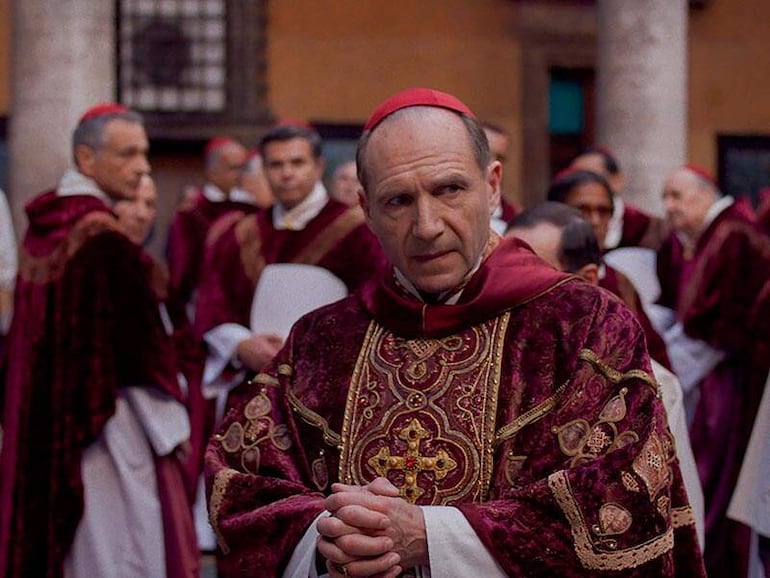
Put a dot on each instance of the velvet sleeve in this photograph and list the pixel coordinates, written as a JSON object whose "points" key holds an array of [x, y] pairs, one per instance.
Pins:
{"points": [[593, 486], [261, 499]]}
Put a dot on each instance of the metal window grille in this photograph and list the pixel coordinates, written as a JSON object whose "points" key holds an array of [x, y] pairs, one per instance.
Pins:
{"points": [[172, 55]]}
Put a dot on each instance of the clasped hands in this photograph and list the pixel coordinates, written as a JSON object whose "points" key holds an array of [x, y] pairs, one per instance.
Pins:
{"points": [[371, 531]]}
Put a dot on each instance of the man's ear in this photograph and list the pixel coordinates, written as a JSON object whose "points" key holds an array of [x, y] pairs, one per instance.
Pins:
{"points": [[85, 159], [494, 177], [364, 202], [617, 183], [589, 273]]}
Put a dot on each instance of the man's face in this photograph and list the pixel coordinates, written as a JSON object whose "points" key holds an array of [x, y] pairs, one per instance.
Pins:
{"points": [[428, 202], [226, 169], [291, 169], [594, 201], [345, 186], [118, 165], [498, 144], [686, 201], [137, 215]]}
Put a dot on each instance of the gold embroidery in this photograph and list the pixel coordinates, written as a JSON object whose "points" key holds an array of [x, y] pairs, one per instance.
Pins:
{"points": [[614, 519], [614, 375], [317, 248], [652, 466], [629, 482], [529, 417], [218, 490], [285, 370], [683, 516], [513, 465], [249, 240], [46, 268], [320, 471], [595, 556], [312, 418], [450, 386], [583, 441], [259, 426], [412, 463], [663, 503], [264, 379]]}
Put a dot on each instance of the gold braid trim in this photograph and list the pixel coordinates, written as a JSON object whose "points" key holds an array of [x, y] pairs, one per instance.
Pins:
{"points": [[264, 379], [312, 418], [683, 516], [332, 234], [221, 481], [586, 551], [528, 417], [613, 374]]}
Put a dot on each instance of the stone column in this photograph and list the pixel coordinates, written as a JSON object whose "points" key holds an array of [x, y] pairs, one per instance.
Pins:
{"points": [[62, 62], [642, 91]]}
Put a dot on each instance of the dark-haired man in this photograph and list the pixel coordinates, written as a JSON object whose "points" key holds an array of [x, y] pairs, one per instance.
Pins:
{"points": [[480, 412]]}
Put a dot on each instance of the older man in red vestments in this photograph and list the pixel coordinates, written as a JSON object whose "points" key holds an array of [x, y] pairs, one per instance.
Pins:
{"points": [[712, 269], [225, 161], [92, 401], [477, 413]]}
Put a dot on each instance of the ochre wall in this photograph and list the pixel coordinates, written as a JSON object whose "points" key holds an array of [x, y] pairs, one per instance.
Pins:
{"points": [[5, 55], [335, 61], [729, 82]]}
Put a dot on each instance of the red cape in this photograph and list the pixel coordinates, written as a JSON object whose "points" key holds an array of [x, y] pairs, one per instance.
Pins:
{"points": [[86, 323]]}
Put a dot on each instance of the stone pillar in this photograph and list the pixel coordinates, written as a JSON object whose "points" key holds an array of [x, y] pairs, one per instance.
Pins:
{"points": [[642, 91], [62, 62]]}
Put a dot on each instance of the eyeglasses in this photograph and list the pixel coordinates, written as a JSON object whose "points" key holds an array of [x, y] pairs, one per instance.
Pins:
{"points": [[602, 211]]}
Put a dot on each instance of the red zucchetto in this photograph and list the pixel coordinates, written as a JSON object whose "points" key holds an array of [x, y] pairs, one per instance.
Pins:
{"points": [[217, 143], [702, 173], [416, 97], [102, 110]]}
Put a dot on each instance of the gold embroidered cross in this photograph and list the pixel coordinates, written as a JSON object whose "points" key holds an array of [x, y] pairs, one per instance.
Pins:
{"points": [[412, 463]]}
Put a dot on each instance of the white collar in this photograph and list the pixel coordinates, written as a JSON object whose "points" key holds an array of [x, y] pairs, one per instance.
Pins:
{"points": [[213, 193], [717, 209], [447, 297], [713, 212], [297, 218], [74, 182], [615, 226], [216, 195]]}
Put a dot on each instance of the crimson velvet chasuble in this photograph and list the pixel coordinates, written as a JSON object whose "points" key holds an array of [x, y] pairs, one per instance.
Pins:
{"points": [[528, 406], [86, 324], [187, 239]]}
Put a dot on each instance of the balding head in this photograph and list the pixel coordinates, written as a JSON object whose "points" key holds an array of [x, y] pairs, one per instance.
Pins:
{"points": [[687, 198]]}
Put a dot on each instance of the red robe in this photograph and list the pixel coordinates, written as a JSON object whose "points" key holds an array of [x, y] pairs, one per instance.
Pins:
{"points": [[715, 295], [641, 229], [86, 324], [239, 247], [615, 282], [533, 395], [187, 238]]}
